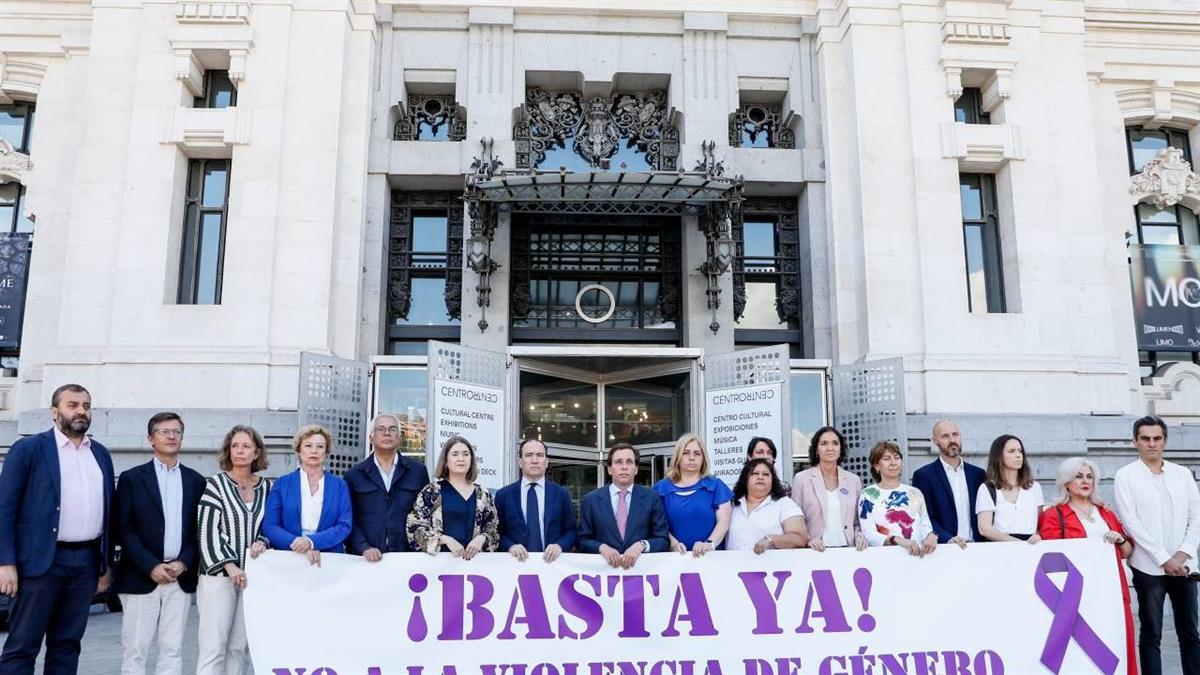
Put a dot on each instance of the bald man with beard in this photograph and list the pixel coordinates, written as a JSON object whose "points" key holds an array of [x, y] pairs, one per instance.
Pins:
{"points": [[949, 485]]}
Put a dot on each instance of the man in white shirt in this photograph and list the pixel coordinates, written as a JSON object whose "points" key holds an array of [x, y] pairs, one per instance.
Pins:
{"points": [[1159, 505], [949, 485]]}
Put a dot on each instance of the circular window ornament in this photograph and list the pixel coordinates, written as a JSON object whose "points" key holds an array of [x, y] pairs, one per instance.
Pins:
{"points": [[612, 304]]}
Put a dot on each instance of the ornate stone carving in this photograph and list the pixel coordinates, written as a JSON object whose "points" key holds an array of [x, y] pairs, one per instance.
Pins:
{"points": [[760, 120], [13, 165], [436, 112], [1174, 392], [596, 128], [1167, 180], [708, 163]]}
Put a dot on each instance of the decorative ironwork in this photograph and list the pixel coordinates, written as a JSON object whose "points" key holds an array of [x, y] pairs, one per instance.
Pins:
{"points": [[432, 118], [402, 267], [552, 262], [760, 125], [708, 164], [595, 129], [716, 222], [783, 269]]}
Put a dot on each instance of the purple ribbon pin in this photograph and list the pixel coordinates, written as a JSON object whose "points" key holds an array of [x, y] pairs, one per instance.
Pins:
{"points": [[1067, 622]]}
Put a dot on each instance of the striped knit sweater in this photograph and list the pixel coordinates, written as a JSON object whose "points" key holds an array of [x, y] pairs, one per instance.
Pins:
{"points": [[227, 526]]}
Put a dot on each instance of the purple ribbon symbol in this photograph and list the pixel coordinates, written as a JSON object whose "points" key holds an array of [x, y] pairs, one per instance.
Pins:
{"points": [[1067, 622]]}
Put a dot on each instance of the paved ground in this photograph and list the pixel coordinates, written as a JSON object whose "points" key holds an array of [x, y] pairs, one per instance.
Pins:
{"points": [[102, 645]]}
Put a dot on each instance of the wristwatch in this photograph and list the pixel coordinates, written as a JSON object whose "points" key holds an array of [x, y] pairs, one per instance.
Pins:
{"points": [[645, 545]]}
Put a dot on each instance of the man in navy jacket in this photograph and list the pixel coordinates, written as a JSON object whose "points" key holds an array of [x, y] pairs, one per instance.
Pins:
{"points": [[950, 485], [383, 488], [55, 492], [621, 521], [536, 515]]}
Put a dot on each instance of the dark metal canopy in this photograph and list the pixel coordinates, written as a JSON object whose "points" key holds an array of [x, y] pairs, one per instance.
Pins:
{"points": [[673, 187]]}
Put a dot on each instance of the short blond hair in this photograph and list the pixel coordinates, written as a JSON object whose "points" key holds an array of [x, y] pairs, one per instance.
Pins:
{"points": [[675, 474], [312, 430]]}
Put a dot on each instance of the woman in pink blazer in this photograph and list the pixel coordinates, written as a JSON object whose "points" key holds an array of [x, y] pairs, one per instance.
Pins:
{"points": [[828, 494]]}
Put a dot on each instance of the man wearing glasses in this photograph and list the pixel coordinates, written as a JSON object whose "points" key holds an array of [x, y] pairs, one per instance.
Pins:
{"points": [[154, 521], [382, 490]]}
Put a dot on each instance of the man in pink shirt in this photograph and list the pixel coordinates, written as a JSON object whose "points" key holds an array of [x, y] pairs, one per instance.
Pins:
{"points": [[55, 491]]}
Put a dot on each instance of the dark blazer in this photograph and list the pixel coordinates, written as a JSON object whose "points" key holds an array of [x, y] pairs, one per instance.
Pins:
{"points": [[281, 521], [30, 496], [932, 482], [558, 522], [598, 523], [139, 527], [381, 515]]}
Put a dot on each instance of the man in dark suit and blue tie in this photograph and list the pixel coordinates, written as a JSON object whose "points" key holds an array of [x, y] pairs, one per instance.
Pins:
{"points": [[536, 515], [950, 485], [621, 521], [383, 488], [154, 521], [55, 492]]}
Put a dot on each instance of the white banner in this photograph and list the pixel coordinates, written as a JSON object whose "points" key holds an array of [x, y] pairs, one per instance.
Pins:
{"points": [[733, 417], [1055, 607], [477, 414]]}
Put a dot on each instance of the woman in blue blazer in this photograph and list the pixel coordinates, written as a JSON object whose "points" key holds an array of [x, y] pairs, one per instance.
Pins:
{"points": [[308, 510]]}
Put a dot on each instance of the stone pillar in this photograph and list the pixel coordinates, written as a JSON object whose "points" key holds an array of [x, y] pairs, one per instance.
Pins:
{"points": [[709, 93]]}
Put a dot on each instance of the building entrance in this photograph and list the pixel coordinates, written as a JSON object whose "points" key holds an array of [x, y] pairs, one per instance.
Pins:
{"points": [[579, 406]]}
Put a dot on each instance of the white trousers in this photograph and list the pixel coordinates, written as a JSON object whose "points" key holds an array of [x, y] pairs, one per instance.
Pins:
{"points": [[223, 646], [162, 612]]}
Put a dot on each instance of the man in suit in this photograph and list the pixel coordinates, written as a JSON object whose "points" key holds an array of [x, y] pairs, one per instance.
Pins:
{"points": [[383, 488], [621, 521], [154, 521], [950, 485], [536, 515], [55, 492]]}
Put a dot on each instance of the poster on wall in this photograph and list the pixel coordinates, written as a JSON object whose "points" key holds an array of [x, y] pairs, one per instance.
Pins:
{"points": [[735, 415], [1166, 296], [14, 273], [477, 414]]}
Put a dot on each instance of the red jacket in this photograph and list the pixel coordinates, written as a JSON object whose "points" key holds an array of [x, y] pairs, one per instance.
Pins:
{"points": [[1061, 522]]}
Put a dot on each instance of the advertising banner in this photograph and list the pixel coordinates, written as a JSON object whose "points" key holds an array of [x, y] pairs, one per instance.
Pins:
{"points": [[1055, 607], [736, 415], [477, 414], [14, 273], [1166, 296]]}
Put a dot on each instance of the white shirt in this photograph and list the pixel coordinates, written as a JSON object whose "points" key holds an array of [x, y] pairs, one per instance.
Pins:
{"points": [[835, 531], [541, 500], [170, 489], [1019, 517], [962, 500], [81, 498], [1096, 528], [310, 504], [1144, 512], [747, 527], [385, 475]]}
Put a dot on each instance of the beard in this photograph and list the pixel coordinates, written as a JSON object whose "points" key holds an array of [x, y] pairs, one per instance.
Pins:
{"points": [[953, 450], [76, 425]]}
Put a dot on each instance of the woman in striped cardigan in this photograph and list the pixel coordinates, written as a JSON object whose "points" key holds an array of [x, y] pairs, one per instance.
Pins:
{"points": [[230, 514]]}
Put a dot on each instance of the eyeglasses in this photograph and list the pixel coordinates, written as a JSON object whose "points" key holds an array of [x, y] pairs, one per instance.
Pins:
{"points": [[387, 430], [170, 433]]}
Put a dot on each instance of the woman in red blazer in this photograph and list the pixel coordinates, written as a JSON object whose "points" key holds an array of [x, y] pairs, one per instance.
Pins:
{"points": [[1078, 516]]}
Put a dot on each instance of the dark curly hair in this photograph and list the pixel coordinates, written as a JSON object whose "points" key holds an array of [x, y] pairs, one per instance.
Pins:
{"points": [[743, 481]]}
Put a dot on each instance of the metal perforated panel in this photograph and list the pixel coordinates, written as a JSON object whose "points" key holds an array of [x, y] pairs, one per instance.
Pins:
{"points": [[765, 365], [868, 406], [754, 368], [463, 364], [334, 394]]}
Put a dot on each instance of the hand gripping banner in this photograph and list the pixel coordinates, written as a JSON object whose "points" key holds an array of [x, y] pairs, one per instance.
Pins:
{"points": [[841, 612]]}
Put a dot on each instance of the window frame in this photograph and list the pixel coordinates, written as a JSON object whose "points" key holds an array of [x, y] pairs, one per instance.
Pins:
{"points": [[26, 129], [205, 99], [989, 225], [783, 212], [188, 290], [971, 101], [406, 207]]}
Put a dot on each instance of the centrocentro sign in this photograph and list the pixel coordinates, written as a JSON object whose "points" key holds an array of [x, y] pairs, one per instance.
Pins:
{"points": [[1166, 296], [477, 414], [736, 415]]}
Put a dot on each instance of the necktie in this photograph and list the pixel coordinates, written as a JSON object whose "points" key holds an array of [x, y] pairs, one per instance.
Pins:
{"points": [[622, 512], [533, 520]]}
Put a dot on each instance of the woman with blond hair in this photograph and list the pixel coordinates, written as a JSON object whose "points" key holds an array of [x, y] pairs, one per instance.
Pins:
{"points": [[697, 504], [1077, 515], [455, 514], [230, 516], [309, 509]]}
